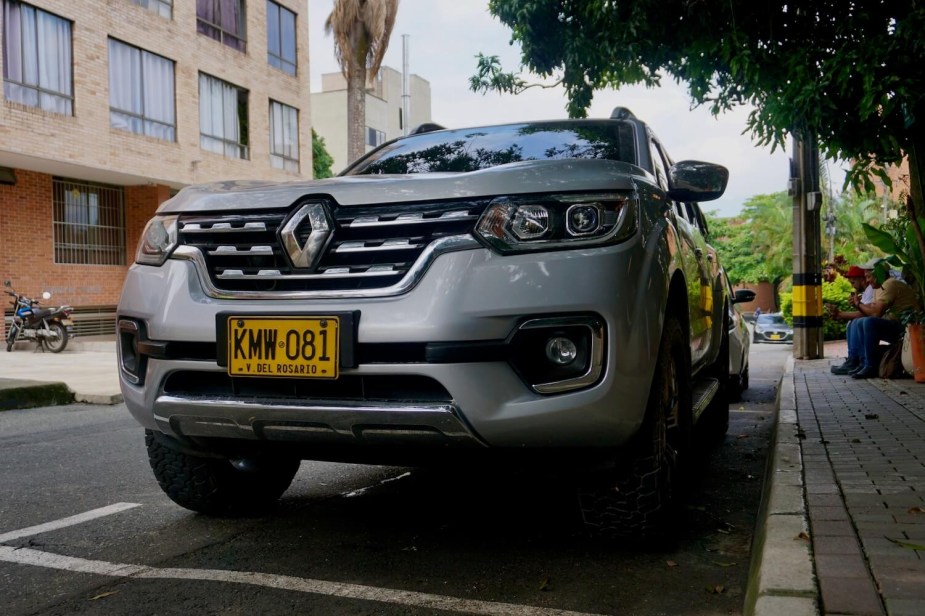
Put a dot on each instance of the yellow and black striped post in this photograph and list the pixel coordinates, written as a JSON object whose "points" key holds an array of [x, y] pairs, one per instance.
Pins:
{"points": [[807, 300], [807, 249]]}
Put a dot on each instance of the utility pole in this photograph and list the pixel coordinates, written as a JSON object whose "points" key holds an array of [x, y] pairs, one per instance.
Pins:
{"points": [[807, 248]]}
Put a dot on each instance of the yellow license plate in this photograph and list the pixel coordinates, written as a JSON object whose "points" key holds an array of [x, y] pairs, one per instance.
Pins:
{"points": [[775, 336], [305, 347]]}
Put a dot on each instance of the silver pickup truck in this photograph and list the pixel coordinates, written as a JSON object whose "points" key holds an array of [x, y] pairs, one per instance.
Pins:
{"points": [[537, 293]]}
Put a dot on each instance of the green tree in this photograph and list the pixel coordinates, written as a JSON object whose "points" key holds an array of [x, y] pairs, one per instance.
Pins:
{"points": [[849, 73], [851, 210], [361, 29], [732, 239], [756, 246], [321, 159]]}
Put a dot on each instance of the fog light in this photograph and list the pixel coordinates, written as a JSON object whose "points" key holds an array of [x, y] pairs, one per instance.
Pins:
{"points": [[561, 351]]}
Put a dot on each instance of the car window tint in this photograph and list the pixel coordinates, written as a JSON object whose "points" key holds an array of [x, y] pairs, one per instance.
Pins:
{"points": [[480, 148]]}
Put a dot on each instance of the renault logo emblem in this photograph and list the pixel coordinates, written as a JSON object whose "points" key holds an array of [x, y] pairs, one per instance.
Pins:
{"points": [[306, 256]]}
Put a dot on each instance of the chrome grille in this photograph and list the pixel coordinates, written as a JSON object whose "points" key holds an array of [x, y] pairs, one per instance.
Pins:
{"points": [[370, 247]]}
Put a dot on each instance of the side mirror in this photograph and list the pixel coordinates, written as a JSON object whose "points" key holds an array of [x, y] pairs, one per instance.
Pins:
{"points": [[693, 181], [743, 296], [46, 295]]}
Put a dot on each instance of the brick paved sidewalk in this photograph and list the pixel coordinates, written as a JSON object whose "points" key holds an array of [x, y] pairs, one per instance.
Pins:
{"points": [[863, 453]]}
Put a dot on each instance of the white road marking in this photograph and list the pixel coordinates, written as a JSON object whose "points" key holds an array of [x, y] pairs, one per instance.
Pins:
{"points": [[28, 556], [62, 523], [38, 558]]}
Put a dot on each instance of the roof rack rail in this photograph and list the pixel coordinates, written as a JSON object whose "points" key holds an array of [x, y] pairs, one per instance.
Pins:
{"points": [[426, 127], [622, 113]]}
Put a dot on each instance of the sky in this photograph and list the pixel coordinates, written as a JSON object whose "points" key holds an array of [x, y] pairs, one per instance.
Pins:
{"points": [[446, 35]]}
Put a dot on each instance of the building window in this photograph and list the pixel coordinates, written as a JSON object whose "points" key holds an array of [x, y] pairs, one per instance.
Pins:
{"points": [[141, 87], [164, 8], [89, 223], [37, 67], [222, 20], [222, 117], [374, 137], [284, 137], [281, 37]]}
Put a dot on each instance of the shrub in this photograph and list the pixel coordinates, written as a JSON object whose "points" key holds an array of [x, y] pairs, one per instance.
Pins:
{"points": [[835, 292]]}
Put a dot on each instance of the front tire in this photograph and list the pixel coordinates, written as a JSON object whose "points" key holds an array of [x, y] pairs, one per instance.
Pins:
{"points": [[219, 486], [11, 337], [58, 341], [640, 500]]}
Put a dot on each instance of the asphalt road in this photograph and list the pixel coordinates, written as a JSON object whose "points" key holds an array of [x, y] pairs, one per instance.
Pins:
{"points": [[352, 539]]}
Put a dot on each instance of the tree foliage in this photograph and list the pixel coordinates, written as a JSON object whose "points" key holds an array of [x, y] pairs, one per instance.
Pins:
{"points": [[321, 158], [849, 73], [757, 245]]}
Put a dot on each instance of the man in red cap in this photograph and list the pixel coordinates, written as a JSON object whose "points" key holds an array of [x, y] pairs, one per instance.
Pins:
{"points": [[864, 294], [881, 320]]}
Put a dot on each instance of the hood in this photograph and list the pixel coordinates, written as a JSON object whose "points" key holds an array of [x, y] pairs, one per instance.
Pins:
{"points": [[527, 177]]}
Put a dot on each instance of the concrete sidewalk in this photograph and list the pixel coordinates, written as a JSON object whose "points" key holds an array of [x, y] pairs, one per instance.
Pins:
{"points": [[842, 529], [86, 371]]}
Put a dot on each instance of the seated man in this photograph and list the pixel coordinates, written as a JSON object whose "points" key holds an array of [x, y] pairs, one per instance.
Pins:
{"points": [[863, 294], [881, 320]]}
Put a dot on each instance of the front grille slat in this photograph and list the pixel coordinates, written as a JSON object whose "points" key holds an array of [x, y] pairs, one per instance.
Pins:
{"points": [[371, 247]]}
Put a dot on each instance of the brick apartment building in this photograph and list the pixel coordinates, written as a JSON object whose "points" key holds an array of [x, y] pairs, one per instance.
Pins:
{"points": [[110, 106]]}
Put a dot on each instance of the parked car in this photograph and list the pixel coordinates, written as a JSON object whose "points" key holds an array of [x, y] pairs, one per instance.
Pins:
{"points": [[772, 328], [538, 293], [739, 344]]}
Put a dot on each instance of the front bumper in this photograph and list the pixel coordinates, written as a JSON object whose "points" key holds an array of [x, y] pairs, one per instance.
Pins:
{"points": [[398, 394]]}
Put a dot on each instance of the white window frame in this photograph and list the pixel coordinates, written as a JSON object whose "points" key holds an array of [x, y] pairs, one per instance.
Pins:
{"points": [[284, 136], [276, 56], [148, 107], [40, 72], [223, 117]]}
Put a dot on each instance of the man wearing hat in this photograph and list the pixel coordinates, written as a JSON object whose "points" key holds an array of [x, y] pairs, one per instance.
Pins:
{"points": [[864, 294], [880, 320]]}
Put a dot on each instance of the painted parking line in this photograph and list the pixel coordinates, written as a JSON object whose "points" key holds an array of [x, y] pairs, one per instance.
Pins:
{"points": [[70, 521], [39, 558]]}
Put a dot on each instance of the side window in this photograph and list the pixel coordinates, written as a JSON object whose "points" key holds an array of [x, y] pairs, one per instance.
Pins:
{"points": [[658, 165]]}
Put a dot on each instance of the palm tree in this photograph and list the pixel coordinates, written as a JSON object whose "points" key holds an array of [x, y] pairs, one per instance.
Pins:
{"points": [[361, 31]]}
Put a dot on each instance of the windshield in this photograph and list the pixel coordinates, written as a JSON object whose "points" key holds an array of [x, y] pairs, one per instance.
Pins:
{"points": [[472, 149], [771, 319]]}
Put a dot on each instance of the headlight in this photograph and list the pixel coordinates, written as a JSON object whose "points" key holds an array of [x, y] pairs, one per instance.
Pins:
{"points": [[555, 222], [157, 241]]}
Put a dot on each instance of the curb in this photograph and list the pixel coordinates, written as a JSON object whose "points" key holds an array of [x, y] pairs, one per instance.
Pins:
{"points": [[781, 576], [32, 394], [101, 399]]}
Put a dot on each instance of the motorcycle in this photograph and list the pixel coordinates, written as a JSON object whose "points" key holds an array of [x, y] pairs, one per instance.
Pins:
{"points": [[49, 327]]}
